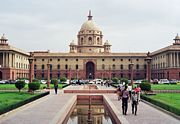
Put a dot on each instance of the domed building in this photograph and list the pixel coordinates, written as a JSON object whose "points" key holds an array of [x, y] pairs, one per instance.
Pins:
{"points": [[89, 57]]}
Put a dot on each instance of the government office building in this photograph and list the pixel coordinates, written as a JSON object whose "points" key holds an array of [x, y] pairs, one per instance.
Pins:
{"points": [[89, 58]]}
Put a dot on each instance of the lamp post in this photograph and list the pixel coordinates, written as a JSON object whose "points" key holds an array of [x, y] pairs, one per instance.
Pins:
{"points": [[48, 75], [69, 74], [31, 68], [109, 72], [148, 72], [131, 67], [77, 74]]}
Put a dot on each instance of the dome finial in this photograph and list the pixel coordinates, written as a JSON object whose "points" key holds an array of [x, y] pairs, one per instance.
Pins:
{"points": [[90, 16]]}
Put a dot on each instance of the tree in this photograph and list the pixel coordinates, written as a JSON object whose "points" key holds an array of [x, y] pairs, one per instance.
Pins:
{"points": [[34, 86], [115, 80], [53, 81], [20, 84]]}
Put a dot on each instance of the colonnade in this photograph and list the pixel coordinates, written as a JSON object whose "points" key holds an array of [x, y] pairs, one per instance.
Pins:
{"points": [[174, 59], [8, 59]]}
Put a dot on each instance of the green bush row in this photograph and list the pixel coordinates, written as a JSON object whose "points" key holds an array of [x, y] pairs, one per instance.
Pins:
{"points": [[14, 106], [162, 105], [65, 85]]}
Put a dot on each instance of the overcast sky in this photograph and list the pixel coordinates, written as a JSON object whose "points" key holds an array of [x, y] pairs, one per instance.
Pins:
{"points": [[129, 25]]}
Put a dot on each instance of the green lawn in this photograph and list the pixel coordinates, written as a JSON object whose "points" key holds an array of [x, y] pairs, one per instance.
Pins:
{"points": [[172, 99], [12, 86], [165, 87], [10, 98]]}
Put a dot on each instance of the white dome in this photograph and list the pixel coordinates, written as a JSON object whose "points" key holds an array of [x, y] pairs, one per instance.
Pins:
{"points": [[72, 43], [89, 25]]}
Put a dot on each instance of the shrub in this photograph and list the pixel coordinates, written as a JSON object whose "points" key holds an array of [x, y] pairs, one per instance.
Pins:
{"points": [[53, 81], [144, 81], [20, 84], [104, 78], [124, 80], [34, 86], [145, 86], [115, 80], [63, 79], [36, 80]]}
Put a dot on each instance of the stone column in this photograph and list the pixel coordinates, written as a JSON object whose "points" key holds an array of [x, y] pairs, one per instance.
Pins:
{"points": [[171, 60], [48, 75], [6, 59], [177, 59], [3, 60], [131, 65], [10, 60], [31, 68]]}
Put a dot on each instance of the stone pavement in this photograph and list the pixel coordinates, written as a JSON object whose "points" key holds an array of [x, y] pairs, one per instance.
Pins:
{"points": [[145, 114], [48, 109], [41, 111]]}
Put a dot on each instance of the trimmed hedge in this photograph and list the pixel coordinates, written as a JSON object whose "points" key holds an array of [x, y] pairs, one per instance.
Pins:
{"points": [[114, 85], [162, 105], [34, 86], [19, 85], [145, 86], [65, 85], [14, 106]]}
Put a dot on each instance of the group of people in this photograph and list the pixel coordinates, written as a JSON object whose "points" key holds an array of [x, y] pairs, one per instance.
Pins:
{"points": [[127, 94]]}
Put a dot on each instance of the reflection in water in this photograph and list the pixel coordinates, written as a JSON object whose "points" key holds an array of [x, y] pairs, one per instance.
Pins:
{"points": [[80, 115]]}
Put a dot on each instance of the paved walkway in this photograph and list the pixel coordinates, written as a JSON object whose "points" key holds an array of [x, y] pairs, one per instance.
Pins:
{"points": [[45, 111], [41, 111]]}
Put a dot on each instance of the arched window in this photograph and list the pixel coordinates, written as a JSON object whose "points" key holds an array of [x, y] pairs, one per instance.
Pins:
{"points": [[42, 67], [66, 66], [35, 67], [98, 41], [103, 66], [50, 67], [58, 66], [77, 67], [114, 67], [81, 41], [121, 66], [129, 66], [90, 40], [137, 66]]}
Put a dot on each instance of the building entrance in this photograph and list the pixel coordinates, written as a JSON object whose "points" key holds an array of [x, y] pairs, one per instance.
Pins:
{"points": [[90, 70]]}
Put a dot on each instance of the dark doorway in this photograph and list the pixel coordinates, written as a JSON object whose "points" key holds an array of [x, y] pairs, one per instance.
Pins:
{"points": [[90, 70], [0, 75]]}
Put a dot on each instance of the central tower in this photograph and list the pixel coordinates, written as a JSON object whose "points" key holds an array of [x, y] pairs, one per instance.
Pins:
{"points": [[90, 39]]}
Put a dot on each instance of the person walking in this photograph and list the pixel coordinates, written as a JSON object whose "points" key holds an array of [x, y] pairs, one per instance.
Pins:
{"points": [[125, 97], [134, 98], [56, 87]]}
